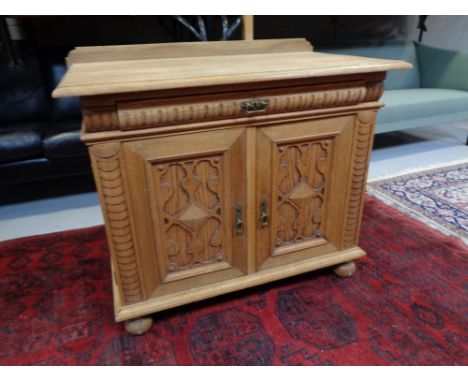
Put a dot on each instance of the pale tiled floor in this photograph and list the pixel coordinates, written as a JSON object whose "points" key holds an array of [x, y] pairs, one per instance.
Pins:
{"points": [[418, 148], [394, 153]]}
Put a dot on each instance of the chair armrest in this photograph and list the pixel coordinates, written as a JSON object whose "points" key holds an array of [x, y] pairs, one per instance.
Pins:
{"points": [[442, 68]]}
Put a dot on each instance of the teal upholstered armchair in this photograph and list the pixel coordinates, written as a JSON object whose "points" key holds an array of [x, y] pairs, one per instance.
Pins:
{"points": [[434, 91]]}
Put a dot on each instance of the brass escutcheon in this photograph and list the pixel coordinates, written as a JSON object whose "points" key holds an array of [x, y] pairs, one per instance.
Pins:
{"points": [[255, 106]]}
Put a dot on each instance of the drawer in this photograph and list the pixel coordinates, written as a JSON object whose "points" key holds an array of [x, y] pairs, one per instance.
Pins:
{"points": [[154, 113], [165, 110]]}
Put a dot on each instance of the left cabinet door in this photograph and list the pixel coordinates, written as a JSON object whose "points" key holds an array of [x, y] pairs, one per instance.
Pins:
{"points": [[186, 201]]}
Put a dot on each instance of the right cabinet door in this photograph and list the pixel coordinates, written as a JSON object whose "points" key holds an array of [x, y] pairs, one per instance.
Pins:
{"points": [[310, 183]]}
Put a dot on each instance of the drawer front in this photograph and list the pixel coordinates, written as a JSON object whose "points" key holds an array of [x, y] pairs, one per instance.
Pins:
{"points": [[154, 113], [126, 113]]}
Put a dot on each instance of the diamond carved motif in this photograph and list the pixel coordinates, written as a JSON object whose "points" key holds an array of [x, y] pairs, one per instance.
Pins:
{"points": [[192, 206], [193, 216], [302, 194], [303, 169]]}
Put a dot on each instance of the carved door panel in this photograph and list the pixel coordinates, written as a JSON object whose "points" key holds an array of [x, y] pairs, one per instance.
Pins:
{"points": [[304, 186], [188, 195]]}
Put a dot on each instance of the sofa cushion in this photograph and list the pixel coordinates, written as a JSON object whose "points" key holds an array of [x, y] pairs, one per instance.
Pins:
{"points": [[62, 140], [23, 97], [63, 109], [21, 141], [395, 50], [442, 68], [408, 104]]}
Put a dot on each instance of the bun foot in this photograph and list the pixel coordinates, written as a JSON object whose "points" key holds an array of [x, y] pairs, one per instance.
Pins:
{"points": [[138, 326], [345, 269]]}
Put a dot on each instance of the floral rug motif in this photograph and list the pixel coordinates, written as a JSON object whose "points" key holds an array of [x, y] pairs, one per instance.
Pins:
{"points": [[438, 197]]}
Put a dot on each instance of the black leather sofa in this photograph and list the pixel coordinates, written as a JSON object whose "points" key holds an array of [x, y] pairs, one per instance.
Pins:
{"points": [[39, 136]]}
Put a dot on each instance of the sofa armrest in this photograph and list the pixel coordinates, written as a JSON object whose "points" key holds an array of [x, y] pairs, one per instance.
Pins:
{"points": [[442, 68]]}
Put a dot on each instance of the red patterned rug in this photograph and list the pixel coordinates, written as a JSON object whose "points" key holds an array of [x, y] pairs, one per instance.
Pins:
{"points": [[406, 305]]}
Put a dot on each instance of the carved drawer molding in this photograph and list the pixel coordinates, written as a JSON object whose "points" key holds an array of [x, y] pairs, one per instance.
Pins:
{"points": [[134, 115]]}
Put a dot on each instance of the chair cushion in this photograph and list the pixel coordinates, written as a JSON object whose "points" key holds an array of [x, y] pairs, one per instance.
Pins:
{"points": [[62, 140], [21, 141], [394, 50], [407, 104]]}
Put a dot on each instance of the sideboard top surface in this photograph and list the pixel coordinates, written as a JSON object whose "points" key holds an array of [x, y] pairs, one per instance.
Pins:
{"points": [[110, 77]]}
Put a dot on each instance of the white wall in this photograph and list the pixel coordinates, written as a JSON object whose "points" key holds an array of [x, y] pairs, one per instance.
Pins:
{"points": [[449, 32]]}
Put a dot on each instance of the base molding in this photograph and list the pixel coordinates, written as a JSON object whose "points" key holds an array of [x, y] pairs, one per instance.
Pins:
{"points": [[157, 304]]}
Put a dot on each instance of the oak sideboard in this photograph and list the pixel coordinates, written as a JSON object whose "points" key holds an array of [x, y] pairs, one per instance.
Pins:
{"points": [[224, 165]]}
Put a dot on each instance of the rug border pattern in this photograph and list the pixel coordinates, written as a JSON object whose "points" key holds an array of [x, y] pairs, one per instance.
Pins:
{"points": [[408, 208]]}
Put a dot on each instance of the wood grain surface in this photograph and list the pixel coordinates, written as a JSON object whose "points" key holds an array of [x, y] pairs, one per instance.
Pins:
{"points": [[156, 74], [218, 173], [185, 49]]}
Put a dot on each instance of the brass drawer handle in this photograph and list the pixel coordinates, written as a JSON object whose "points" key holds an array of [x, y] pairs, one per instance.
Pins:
{"points": [[264, 218], [255, 106], [238, 223]]}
